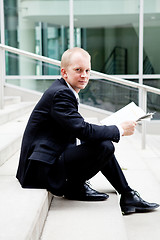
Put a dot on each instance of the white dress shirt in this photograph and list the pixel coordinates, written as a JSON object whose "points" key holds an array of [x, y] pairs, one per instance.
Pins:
{"points": [[75, 93]]}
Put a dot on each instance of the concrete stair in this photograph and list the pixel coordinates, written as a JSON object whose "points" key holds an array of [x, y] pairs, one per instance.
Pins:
{"points": [[8, 100], [12, 123], [86, 220], [24, 212], [103, 220], [13, 111], [141, 170]]}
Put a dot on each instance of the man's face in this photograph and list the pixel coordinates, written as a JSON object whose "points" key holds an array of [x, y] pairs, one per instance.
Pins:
{"points": [[78, 72]]}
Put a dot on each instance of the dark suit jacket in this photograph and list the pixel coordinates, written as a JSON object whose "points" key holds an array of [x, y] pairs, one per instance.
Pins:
{"points": [[53, 126]]}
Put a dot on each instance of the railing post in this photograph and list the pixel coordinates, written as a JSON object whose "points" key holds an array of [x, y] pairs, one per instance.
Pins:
{"points": [[144, 106], [2, 77], [141, 23], [71, 24], [2, 55]]}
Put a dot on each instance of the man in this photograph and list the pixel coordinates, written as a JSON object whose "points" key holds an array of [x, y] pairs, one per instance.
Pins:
{"points": [[50, 157]]}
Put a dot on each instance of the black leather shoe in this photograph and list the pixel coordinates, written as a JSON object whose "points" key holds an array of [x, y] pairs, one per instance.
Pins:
{"points": [[85, 193], [131, 202]]}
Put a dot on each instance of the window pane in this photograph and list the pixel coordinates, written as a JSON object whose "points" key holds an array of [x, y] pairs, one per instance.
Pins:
{"points": [[108, 95], [110, 32], [39, 27], [151, 36], [153, 100], [27, 80]]}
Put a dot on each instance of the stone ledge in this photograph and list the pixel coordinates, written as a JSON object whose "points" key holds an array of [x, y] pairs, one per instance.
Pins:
{"points": [[23, 211], [79, 220], [13, 111]]}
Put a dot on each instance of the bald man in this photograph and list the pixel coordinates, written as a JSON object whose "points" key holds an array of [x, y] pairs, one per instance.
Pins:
{"points": [[50, 157]]}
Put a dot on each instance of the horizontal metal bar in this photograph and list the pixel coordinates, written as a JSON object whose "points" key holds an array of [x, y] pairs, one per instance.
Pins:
{"points": [[93, 73], [136, 76], [31, 55], [126, 82], [43, 77], [10, 77]]}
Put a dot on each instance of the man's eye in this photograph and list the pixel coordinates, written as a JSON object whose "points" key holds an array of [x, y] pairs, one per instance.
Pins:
{"points": [[78, 69]]}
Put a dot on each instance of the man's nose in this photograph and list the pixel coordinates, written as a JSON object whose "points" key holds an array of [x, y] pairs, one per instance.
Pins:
{"points": [[83, 74]]}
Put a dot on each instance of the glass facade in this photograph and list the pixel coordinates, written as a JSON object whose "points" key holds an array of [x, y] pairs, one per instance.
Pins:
{"points": [[151, 38], [108, 95], [110, 34], [107, 29]]}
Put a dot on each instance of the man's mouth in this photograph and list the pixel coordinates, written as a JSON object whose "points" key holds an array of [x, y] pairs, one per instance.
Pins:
{"points": [[83, 82]]}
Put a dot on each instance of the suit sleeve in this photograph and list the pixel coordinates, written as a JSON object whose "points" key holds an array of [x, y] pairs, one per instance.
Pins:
{"points": [[65, 112]]}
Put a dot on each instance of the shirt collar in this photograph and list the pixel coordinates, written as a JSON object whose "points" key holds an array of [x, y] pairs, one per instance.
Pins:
{"points": [[75, 93]]}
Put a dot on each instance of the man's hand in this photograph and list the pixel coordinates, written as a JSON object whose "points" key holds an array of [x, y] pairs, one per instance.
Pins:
{"points": [[128, 127]]}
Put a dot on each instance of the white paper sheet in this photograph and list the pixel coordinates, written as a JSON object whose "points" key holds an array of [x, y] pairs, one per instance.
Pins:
{"points": [[130, 112]]}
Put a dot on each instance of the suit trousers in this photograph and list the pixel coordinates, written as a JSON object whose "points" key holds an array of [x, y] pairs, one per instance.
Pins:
{"points": [[84, 161]]}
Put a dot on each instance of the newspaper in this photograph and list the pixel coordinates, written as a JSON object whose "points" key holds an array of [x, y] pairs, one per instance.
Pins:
{"points": [[130, 112]]}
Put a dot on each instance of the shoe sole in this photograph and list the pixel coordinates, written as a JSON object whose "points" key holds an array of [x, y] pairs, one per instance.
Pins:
{"points": [[88, 199], [129, 210]]}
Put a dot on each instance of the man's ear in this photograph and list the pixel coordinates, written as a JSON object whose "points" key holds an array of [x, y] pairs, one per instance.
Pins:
{"points": [[64, 73]]}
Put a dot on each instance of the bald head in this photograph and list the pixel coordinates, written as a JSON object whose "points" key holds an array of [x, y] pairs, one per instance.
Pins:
{"points": [[68, 55], [75, 68]]}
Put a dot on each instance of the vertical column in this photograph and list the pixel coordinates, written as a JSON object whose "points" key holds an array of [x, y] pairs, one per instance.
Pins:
{"points": [[144, 126], [63, 41], [71, 23], [2, 77], [141, 8], [26, 42], [2, 56], [142, 93], [11, 23], [2, 22]]}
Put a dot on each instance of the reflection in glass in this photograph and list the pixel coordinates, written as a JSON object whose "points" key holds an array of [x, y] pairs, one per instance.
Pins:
{"points": [[151, 37], [39, 27], [153, 100], [30, 83], [110, 33], [108, 95], [39, 85]]}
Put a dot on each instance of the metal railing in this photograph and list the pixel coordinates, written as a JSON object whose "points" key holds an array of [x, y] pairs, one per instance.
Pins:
{"points": [[144, 89]]}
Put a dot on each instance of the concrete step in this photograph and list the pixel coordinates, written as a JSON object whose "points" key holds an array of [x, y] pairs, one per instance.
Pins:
{"points": [[11, 136], [23, 211], [9, 100], [82, 220], [144, 225], [92, 120], [86, 220], [13, 111], [142, 172], [13, 119]]}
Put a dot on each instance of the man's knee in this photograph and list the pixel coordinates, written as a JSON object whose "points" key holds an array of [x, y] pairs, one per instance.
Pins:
{"points": [[107, 147]]}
